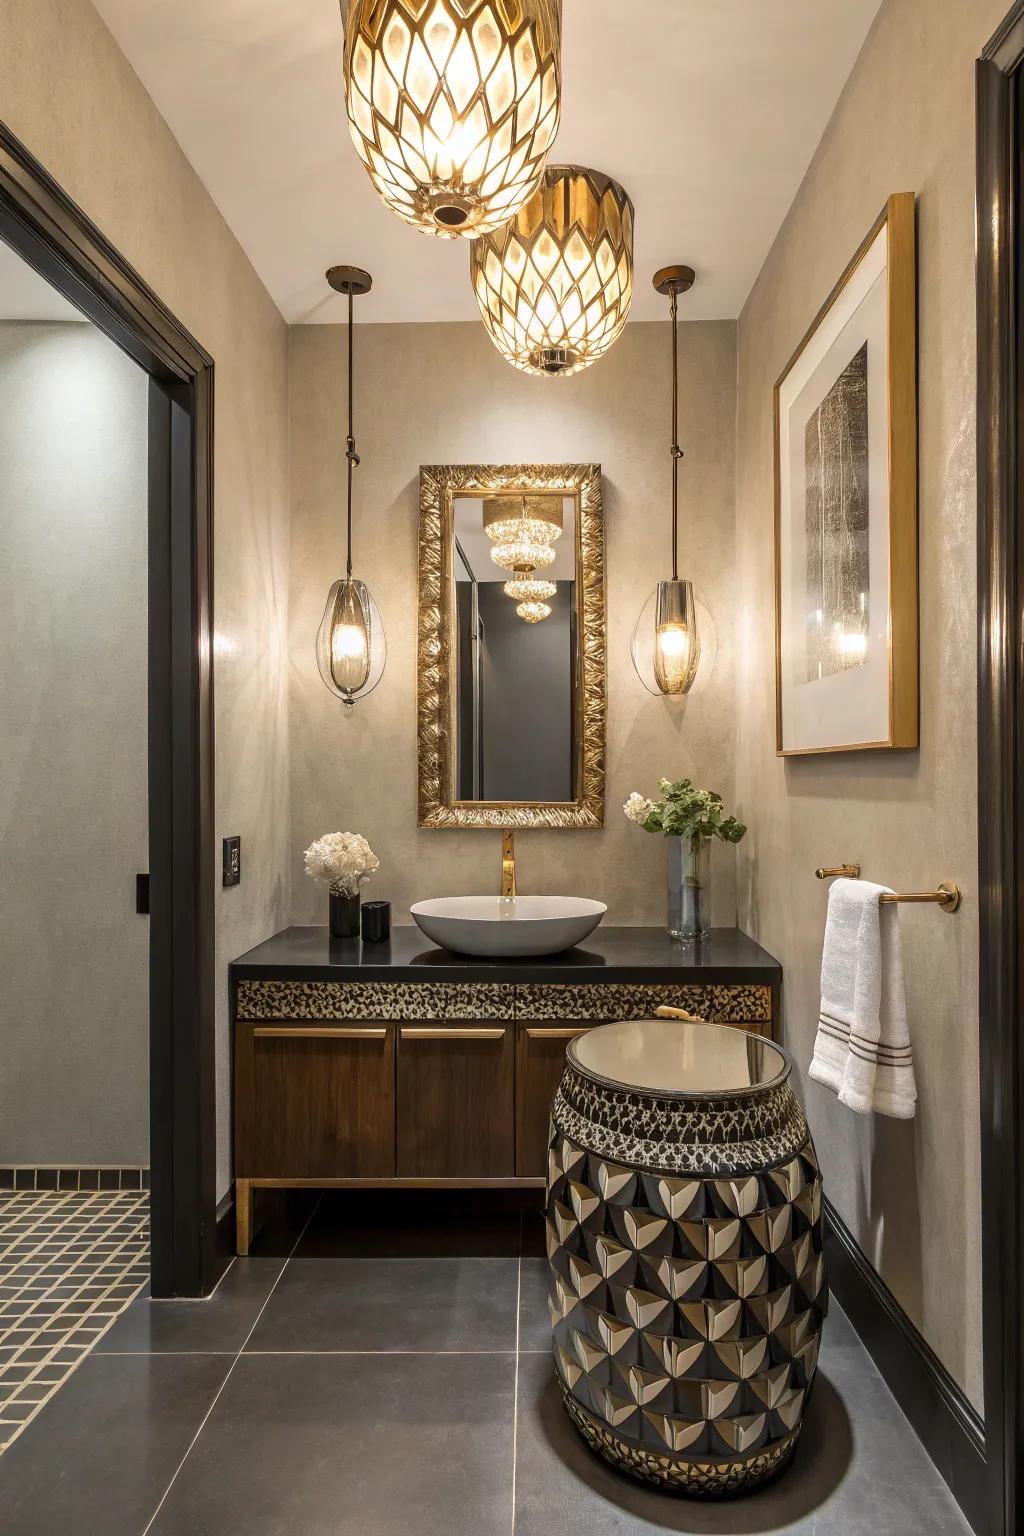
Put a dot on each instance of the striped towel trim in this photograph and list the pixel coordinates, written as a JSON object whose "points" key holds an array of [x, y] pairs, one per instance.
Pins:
{"points": [[867, 1050]]}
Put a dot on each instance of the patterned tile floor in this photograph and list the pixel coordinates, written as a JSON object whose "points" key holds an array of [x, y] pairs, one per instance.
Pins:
{"points": [[383, 1365], [69, 1265]]}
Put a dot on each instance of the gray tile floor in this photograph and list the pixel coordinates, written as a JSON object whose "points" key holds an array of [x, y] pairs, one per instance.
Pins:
{"points": [[381, 1367]]}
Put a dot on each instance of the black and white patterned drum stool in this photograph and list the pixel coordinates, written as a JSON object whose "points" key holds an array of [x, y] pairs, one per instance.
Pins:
{"points": [[688, 1285]]}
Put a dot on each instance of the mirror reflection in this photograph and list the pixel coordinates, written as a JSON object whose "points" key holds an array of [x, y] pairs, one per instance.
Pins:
{"points": [[515, 616]]}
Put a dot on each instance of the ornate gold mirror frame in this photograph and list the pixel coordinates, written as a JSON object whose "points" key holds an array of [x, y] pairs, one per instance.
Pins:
{"points": [[439, 485]]}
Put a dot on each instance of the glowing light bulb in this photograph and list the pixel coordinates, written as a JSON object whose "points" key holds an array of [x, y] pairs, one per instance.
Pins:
{"points": [[676, 641], [348, 643], [343, 644], [671, 657]]}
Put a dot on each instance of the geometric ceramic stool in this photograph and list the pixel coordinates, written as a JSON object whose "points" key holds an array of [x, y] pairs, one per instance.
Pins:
{"points": [[684, 1225]]}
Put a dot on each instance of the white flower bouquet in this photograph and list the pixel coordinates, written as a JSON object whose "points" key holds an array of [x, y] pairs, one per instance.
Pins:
{"points": [[343, 861]]}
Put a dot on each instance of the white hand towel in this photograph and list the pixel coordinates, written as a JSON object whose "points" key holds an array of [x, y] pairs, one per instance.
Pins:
{"points": [[862, 1051]]}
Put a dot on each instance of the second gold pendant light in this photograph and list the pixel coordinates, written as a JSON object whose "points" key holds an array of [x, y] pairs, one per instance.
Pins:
{"points": [[555, 285]]}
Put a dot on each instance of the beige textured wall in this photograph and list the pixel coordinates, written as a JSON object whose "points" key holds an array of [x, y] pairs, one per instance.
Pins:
{"points": [[909, 1190], [67, 91], [74, 954], [442, 394]]}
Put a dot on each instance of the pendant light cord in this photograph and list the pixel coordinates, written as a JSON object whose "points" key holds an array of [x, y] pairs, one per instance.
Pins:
{"points": [[350, 442], [677, 452]]}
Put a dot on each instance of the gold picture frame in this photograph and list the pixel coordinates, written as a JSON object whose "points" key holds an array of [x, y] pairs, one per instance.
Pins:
{"points": [[882, 488], [439, 484]]}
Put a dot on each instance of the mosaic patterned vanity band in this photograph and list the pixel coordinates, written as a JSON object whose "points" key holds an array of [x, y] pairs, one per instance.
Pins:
{"points": [[749, 1004], [15, 1176]]}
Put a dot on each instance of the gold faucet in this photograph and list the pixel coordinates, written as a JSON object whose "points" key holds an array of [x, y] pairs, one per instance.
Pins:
{"points": [[508, 867]]}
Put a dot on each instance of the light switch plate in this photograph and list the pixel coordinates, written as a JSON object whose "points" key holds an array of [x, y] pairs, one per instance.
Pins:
{"points": [[232, 861]]}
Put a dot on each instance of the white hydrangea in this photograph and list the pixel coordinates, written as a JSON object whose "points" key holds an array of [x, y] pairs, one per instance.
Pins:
{"points": [[637, 808], [341, 860]]}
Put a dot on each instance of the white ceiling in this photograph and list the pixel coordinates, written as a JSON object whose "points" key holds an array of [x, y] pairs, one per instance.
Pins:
{"points": [[24, 295], [707, 111]]}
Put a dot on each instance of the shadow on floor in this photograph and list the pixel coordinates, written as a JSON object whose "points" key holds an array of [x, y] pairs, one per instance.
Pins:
{"points": [[822, 1458], [397, 1223]]}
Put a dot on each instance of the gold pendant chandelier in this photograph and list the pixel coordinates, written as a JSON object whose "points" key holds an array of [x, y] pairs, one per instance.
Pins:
{"points": [[453, 105], [555, 284], [669, 617], [523, 530]]}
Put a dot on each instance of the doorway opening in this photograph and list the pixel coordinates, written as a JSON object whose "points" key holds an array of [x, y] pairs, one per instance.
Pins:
{"points": [[43, 229]]}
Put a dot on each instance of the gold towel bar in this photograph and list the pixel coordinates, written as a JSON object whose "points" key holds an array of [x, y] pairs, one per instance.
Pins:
{"points": [[948, 896]]}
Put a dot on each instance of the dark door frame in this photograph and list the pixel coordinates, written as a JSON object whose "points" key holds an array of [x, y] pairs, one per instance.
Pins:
{"points": [[55, 237], [1001, 753]]}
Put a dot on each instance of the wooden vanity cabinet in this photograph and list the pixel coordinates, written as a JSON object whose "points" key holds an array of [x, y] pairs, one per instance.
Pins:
{"points": [[352, 1074], [540, 1062], [315, 1100], [456, 1097]]}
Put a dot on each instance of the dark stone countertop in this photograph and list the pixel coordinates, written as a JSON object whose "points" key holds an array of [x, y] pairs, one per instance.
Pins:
{"points": [[609, 954]]}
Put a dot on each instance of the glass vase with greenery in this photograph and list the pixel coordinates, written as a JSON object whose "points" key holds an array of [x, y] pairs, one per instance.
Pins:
{"points": [[689, 818]]}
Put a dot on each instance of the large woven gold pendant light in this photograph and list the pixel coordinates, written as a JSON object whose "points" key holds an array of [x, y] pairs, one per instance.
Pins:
{"points": [[554, 285], [453, 105], [666, 640]]}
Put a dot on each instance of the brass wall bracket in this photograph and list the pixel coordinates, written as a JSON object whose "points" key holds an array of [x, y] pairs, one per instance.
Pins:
{"points": [[948, 896]]}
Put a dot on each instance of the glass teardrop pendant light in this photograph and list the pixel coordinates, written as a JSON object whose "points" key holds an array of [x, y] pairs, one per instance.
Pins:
{"points": [[453, 105], [669, 617], [351, 651]]}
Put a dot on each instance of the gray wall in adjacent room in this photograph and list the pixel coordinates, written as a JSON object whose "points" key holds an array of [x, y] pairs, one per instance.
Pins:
{"points": [[74, 1032], [526, 698]]}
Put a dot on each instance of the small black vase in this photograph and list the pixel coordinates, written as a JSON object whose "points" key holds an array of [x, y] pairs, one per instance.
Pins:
{"points": [[344, 917]]}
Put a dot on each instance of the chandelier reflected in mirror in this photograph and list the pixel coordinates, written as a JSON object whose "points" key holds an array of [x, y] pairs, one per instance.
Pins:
{"points": [[555, 284], [453, 105], [523, 530], [524, 588]]}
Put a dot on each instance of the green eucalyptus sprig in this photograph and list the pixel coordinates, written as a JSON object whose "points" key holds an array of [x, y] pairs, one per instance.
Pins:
{"points": [[684, 811]]}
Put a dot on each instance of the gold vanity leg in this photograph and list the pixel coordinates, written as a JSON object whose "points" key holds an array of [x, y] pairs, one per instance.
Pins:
{"points": [[243, 1215]]}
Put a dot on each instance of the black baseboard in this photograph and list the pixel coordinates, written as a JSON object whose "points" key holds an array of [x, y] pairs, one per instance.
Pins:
{"points": [[948, 1425], [224, 1247]]}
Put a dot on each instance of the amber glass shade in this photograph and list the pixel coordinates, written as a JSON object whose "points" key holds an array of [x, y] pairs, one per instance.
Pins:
{"points": [[350, 646], [676, 638], [453, 104], [554, 286]]}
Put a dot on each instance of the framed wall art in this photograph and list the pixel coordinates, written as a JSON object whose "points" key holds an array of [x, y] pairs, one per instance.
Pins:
{"points": [[846, 640]]}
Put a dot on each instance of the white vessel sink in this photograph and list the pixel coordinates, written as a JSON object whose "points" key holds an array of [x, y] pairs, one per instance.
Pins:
{"points": [[492, 925]]}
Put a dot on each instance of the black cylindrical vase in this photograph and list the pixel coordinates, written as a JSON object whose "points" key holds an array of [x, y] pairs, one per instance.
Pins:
{"points": [[344, 916], [376, 921]]}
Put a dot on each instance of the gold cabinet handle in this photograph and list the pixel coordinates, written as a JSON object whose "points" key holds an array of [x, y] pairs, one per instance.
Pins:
{"points": [[559, 1034], [452, 1034], [306, 1032]]}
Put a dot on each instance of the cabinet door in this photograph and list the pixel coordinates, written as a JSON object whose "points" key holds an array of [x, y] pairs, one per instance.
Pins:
{"points": [[455, 1101], [315, 1101], [538, 1070]]}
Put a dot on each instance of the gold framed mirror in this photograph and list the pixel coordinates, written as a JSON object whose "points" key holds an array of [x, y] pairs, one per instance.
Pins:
{"points": [[511, 646]]}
